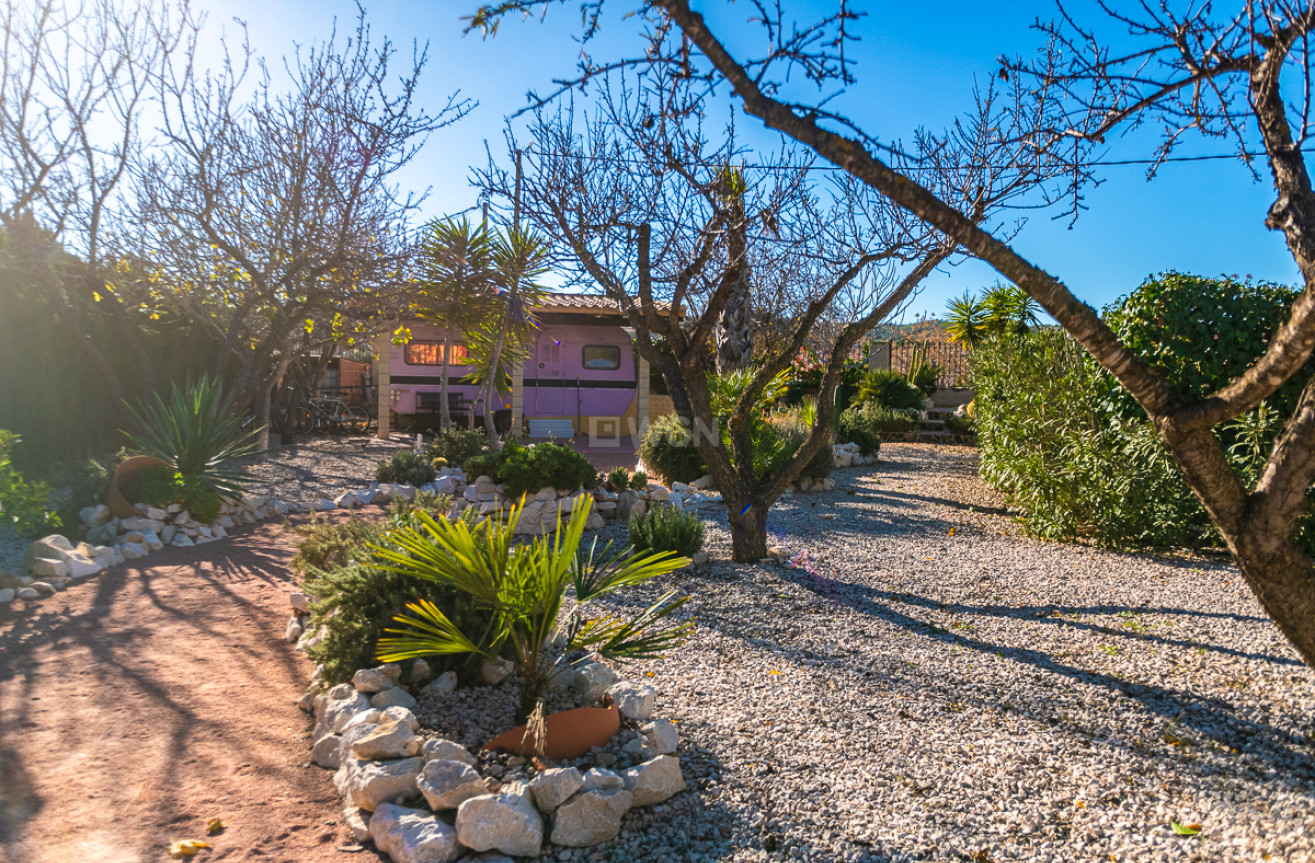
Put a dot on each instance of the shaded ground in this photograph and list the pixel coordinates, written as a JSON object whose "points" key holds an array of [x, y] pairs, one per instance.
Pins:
{"points": [[142, 702]]}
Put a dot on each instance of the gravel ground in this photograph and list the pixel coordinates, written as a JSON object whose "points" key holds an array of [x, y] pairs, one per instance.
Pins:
{"points": [[317, 467], [928, 685], [12, 549]]}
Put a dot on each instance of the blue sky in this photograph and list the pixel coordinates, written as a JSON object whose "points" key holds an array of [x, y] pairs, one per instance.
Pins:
{"points": [[915, 65]]}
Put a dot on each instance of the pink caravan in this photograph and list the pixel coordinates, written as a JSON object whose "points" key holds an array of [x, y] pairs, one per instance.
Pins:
{"points": [[582, 377]]}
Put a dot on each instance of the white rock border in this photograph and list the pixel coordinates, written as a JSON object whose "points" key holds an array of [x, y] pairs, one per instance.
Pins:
{"points": [[366, 732]]}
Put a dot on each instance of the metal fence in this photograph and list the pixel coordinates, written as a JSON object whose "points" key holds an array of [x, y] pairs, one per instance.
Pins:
{"points": [[951, 357]]}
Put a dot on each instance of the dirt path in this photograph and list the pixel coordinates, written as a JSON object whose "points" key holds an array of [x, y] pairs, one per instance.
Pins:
{"points": [[140, 703]]}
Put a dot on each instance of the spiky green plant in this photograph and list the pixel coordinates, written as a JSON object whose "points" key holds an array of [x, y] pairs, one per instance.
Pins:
{"points": [[197, 432], [522, 588]]}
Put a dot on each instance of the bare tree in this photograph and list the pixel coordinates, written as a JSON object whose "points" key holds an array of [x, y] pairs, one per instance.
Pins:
{"points": [[1243, 75], [275, 217], [75, 82], [650, 210]]}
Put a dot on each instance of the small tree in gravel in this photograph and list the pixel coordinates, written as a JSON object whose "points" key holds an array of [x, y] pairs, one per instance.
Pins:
{"points": [[644, 204]]}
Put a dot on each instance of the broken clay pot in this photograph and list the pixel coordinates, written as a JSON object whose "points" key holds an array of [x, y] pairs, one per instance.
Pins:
{"points": [[571, 733]]}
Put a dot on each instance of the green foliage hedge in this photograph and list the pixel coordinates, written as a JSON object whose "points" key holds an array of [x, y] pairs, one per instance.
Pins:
{"points": [[526, 469], [666, 529], [161, 485], [668, 451], [23, 504], [1078, 456]]}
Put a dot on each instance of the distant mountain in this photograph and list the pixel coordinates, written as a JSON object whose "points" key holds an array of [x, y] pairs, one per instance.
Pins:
{"points": [[931, 330]]}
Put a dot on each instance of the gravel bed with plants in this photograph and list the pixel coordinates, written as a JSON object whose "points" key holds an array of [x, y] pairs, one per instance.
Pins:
{"points": [[922, 683], [317, 467]]}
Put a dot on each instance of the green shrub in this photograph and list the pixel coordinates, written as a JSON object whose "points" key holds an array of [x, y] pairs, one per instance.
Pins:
{"points": [[526, 469], [406, 467], [457, 446], [161, 485], [1053, 440], [668, 451], [354, 600], [666, 529], [23, 504], [889, 389], [960, 425], [618, 479], [639, 481], [788, 433], [860, 425], [1077, 454]]}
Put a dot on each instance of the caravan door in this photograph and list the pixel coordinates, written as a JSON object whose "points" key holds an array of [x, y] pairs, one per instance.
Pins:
{"points": [[550, 390]]}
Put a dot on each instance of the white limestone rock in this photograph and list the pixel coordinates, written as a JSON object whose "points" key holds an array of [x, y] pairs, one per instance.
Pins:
{"points": [[413, 836], [591, 818], [506, 822], [553, 787], [598, 779], [395, 697], [654, 781], [327, 751], [634, 700], [371, 680], [440, 749], [446, 784], [299, 602], [357, 823], [493, 672], [592, 679], [294, 629], [387, 740], [370, 784], [660, 736], [338, 706], [442, 685]]}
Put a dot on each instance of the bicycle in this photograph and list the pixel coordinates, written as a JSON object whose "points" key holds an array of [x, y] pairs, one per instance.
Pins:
{"points": [[329, 412]]}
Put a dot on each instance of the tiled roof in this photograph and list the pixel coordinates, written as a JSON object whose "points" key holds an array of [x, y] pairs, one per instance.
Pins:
{"points": [[587, 302]]}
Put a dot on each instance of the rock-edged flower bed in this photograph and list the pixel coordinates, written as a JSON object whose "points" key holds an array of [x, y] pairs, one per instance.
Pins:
{"points": [[421, 795]]}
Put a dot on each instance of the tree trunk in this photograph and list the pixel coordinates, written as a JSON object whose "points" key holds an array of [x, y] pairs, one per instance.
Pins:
{"points": [[445, 415], [489, 385], [748, 531], [1281, 577], [735, 327]]}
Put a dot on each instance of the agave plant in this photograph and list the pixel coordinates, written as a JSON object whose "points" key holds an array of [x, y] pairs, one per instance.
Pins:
{"points": [[197, 432], [523, 588]]}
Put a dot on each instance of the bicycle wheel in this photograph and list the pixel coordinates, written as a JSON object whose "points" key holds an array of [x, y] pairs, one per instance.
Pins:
{"points": [[356, 418], [303, 421]]}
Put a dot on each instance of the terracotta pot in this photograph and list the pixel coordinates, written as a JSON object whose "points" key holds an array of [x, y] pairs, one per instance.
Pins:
{"points": [[124, 475], [571, 733]]}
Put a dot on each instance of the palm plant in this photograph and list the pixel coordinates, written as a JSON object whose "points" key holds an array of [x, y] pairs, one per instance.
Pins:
{"points": [[1009, 310], [966, 320], [197, 432], [457, 280], [519, 259], [523, 589]]}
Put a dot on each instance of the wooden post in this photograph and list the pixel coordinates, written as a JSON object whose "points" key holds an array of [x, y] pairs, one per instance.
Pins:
{"points": [[383, 380]]}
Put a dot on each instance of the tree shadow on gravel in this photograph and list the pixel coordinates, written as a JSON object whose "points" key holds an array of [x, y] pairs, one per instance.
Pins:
{"points": [[1212, 718]]}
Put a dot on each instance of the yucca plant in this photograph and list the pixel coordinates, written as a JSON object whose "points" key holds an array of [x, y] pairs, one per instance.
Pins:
{"points": [[523, 588], [197, 432]]}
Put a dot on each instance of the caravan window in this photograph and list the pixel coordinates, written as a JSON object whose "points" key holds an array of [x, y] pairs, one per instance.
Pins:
{"points": [[601, 357], [431, 354]]}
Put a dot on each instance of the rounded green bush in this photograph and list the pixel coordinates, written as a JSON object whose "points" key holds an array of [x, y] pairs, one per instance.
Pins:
{"points": [[668, 451], [526, 469], [889, 389], [406, 467]]}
